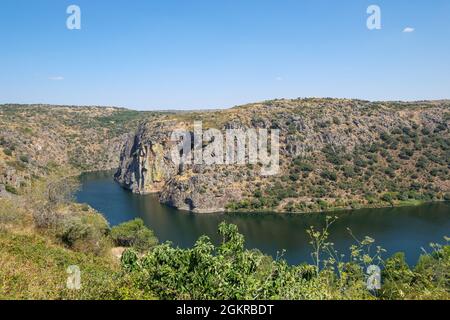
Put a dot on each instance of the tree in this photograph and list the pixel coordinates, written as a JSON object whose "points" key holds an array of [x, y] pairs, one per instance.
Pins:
{"points": [[46, 195], [134, 234]]}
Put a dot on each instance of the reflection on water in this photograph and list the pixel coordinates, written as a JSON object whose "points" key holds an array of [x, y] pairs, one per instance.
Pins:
{"points": [[396, 229]]}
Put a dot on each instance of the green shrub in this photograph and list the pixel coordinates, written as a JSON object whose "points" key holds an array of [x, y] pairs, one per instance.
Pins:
{"points": [[336, 120], [303, 166], [390, 172], [11, 189], [231, 272], [134, 234], [332, 155], [24, 159], [84, 232], [386, 137], [329, 175], [349, 172], [257, 194], [388, 197]]}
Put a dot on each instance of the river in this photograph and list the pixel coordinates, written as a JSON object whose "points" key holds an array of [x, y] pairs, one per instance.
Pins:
{"points": [[406, 229]]}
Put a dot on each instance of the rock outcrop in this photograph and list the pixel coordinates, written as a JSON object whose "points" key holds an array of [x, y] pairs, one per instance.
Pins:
{"points": [[145, 165]]}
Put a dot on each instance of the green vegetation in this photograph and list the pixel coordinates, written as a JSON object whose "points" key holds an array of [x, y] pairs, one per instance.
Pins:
{"points": [[84, 232], [229, 271], [24, 159], [11, 189], [8, 152], [44, 233], [407, 165], [134, 234]]}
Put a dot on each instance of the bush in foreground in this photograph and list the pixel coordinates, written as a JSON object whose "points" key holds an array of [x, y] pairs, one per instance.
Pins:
{"points": [[134, 234], [229, 271], [84, 232]]}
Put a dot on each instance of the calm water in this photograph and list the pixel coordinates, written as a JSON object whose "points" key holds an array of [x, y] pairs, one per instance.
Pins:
{"points": [[395, 229]]}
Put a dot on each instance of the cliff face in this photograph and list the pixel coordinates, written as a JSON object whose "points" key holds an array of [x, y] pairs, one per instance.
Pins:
{"points": [[334, 153], [145, 166]]}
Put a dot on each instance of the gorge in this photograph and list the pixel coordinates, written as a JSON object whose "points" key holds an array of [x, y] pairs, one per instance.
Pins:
{"points": [[333, 153], [336, 155]]}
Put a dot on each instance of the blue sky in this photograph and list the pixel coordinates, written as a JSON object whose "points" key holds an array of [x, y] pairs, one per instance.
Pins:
{"points": [[181, 54]]}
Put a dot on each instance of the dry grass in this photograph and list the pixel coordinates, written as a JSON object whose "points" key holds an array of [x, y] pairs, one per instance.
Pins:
{"points": [[32, 267]]}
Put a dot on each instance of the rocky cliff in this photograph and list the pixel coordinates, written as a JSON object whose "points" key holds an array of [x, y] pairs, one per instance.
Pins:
{"points": [[147, 167], [334, 153]]}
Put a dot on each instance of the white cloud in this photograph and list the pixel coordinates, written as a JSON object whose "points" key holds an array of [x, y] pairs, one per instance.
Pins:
{"points": [[279, 79], [56, 78], [408, 30]]}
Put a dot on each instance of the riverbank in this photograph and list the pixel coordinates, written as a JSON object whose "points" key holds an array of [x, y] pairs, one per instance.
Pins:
{"points": [[329, 209], [397, 204]]}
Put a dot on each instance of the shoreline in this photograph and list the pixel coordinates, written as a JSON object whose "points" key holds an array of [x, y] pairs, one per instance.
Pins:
{"points": [[399, 204]]}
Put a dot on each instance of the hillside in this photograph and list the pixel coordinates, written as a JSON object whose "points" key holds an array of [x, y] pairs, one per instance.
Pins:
{"points": [[35, 139], [334, 154]]}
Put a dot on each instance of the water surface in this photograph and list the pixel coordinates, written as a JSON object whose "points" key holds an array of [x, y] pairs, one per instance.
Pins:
{"points": [[406, 229]]}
